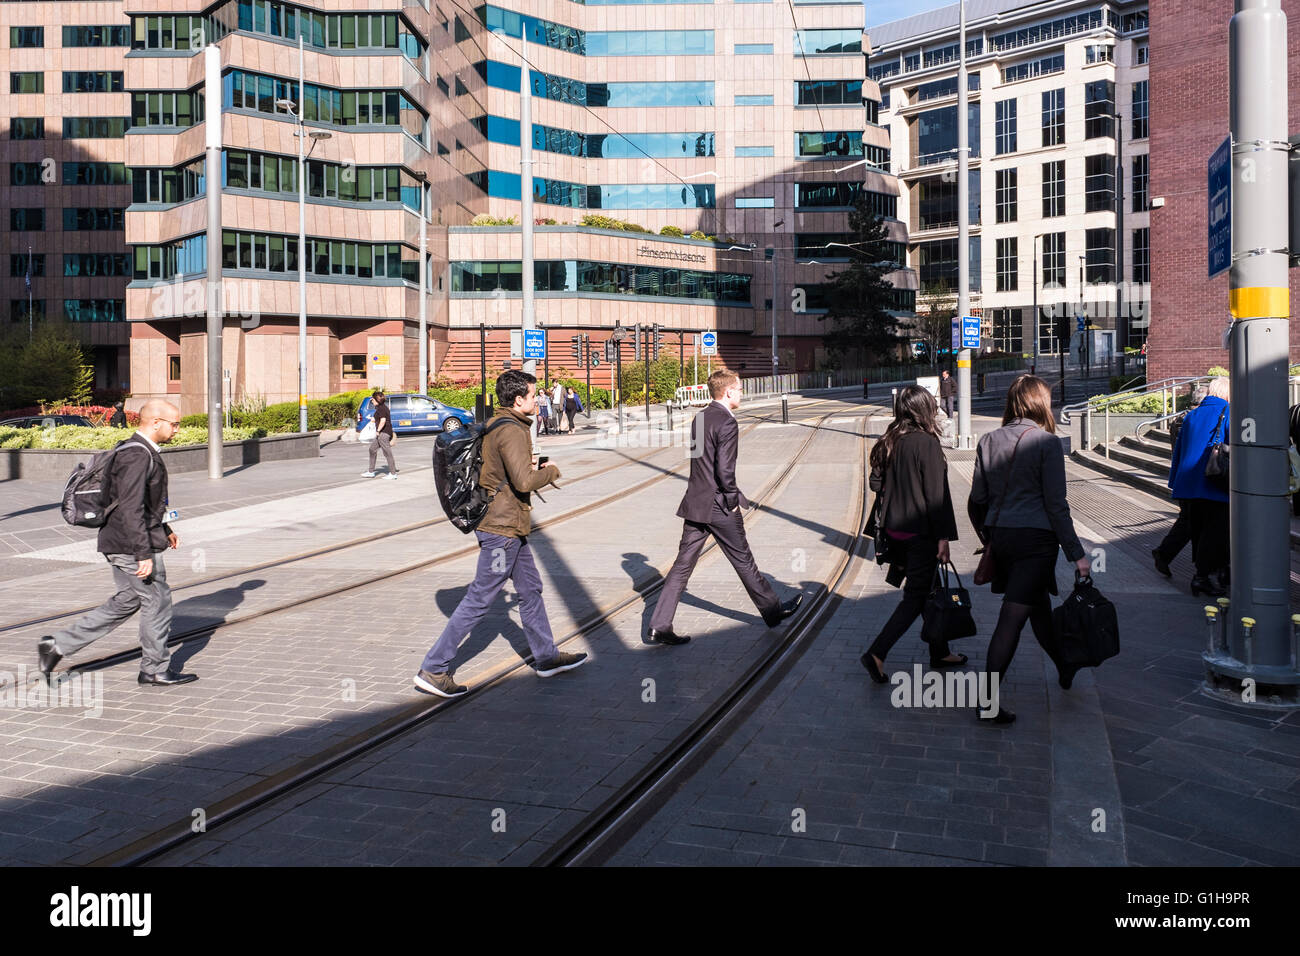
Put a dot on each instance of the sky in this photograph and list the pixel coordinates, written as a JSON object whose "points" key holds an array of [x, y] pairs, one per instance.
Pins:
{"points": [[885, 11]]}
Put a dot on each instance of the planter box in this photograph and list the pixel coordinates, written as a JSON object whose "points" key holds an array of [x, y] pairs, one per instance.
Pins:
{"points": [[1120, 425], [57, 463]]}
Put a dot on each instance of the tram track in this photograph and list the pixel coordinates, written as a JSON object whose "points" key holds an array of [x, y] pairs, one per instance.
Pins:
{"points": [[419, 713]]}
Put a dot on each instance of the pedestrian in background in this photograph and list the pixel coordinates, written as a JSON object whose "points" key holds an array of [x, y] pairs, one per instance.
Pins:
{"points": [[1018, 507], [119, 416], [504, 552], [909, 474], [544, 411], [947, 392], [572, 405], [1181, 532], [557, 404], [132, 539], [383, 436], [1207, 506]]}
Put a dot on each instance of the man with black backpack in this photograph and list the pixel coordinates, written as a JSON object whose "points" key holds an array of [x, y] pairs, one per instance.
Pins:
{"points": [[508, 476], [132, 537]]}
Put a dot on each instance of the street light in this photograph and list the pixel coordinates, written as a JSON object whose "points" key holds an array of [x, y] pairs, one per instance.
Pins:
{"points": [[1083, 325], [316, 137], [775, 361]]}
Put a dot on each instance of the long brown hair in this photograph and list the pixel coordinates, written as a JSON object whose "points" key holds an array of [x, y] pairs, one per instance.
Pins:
{"points": [[1029, 397], [917, 412]]}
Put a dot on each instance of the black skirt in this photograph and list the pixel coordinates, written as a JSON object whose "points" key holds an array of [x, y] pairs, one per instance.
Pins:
{"points": [[1026, 563]]}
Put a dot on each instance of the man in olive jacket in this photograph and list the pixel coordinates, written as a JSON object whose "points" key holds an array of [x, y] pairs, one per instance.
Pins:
{"points": [[508, 474], [133, 539]]}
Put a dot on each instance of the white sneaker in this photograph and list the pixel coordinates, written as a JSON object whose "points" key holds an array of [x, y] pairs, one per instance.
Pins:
{"points": [[367, 474], [389, 477]]}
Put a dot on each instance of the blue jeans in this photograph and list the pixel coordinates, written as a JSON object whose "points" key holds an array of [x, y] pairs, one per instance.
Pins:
{"points": [[499, 558]]}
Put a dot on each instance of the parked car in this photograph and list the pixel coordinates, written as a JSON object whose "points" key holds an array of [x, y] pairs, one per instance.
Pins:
{"points": [[46, 421], [414, 413]]}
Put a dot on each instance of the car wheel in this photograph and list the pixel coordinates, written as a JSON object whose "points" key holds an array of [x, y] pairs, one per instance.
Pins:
{"points": [[450, 424]]}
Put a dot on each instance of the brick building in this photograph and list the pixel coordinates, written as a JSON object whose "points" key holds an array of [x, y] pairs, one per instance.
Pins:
{"points": [[1189, 101]]}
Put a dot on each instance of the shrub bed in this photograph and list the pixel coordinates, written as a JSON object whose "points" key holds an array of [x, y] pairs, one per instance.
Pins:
{"points": [[75, 436]]}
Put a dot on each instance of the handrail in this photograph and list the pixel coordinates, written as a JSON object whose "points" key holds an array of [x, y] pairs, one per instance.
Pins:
{"points": [[1155, 421], [1098, 405]]}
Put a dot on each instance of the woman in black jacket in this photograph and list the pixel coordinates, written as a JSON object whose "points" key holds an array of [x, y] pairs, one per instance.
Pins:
{"points": [[1018, 507], [909, 475]]}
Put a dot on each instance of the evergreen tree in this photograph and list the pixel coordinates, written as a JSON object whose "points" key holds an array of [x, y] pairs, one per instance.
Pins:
{"points": [[858, 298]]}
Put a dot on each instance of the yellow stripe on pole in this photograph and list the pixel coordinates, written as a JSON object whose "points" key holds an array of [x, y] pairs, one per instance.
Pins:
{"points": [[1268, 302], [963, 363]]}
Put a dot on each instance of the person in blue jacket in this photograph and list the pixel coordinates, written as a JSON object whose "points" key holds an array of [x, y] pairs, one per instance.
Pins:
{"points": [[1207, 506]]}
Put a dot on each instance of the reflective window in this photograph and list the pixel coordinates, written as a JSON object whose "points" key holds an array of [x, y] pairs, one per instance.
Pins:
{"points": [[1141, 126], [96, 36], [755, 202], [1005, 194], [1054, 260], [92, 81], [563, 89], [578, 196], [936, 134], [96, 264], [94, 174], [1008, 264], [94, 310], [610, 278], [828, 93], [26, 37], [1005, 127], [95, 127], [1054, 189], [97, 219], [1142, 255], [1098, 109], [27, 127], [1099, 183], [26, 220], [742, 151], [828, 145], [1100, 255], [1053, 117], [27, 82], [753, 49], [1141, 178], [1032, 68], [810, 42], [754, 100]]}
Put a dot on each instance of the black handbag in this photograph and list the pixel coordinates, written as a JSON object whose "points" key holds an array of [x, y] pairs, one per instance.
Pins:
{"points": [[1086, 625], [1216, 466], [947, 613], [873, 529]]}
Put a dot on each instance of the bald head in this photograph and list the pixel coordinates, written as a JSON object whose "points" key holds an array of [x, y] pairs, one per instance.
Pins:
{"points": [[159, 420]]}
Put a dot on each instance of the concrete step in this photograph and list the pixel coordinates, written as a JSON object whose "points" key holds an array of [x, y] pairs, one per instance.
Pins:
{"points": [[1152, 464], [1143, 480], [1130, 474], [1162, 450]]}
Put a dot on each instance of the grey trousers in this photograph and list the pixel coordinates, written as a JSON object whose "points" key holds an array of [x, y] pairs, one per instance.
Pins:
{"points": [[381, 443], [499, 558], [152, 600]]}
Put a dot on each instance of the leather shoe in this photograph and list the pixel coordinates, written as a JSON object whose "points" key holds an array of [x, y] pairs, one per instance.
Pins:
{"points": [[786, 610], [1161, 564], [47, 656], [665, 636], [166, 678]]}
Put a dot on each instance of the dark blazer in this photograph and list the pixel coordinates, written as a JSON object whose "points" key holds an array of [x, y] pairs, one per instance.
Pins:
{"points": [[916, 498], [715, 436], [138, 484]]}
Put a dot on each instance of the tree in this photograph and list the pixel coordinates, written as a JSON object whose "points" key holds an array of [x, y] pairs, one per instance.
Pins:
{"points": [[859, 298], [936, 308], [47, 370]]}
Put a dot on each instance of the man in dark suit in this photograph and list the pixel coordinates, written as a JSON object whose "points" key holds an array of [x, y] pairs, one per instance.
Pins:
{"points": [[132, 539], [712, 506]]}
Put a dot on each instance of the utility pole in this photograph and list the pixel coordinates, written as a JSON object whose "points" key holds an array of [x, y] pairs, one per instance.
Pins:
{"points": [[482, 358], [526, 191], [649, 334], [1258, 654], [302, 241], [422, 178], [963, 237], [215, 317], [586, 342]]}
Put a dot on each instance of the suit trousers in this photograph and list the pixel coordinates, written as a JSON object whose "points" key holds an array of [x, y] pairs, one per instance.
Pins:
{"points": [[499, 558], [152, 600], [382, 443], [728, 529]]}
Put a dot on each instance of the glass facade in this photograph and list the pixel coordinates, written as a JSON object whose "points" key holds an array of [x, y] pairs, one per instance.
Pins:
{"points": [[936, 264], [1141, 178], [1008, 264], [828, 145], [1005, 127], [1054, 189], [1141, 124], [26, 82], [815, 42], [842, 195], [27, 127], [936, 134], [1054, 260], [555, 192], [1032, 68], [254, 91], [93, 174], [1053, 117], [92, 81], [94, 310], [552, 87], [828, 93], [607, 278], [26, 219], [1098, 109], [499, 129], [167, 108], [1051, 30], [1099, 255], [96, 264], [753, 151], [1005, 194], [273, 253], [97, 36], [1099, 183], [96, 219], [598, 43], [936, 201], [95, 127], [1142, 255]]}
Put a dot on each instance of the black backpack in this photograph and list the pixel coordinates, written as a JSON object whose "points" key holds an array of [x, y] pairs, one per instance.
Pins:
{"points": [[457, 462], [1086, 625], [87, 497]]}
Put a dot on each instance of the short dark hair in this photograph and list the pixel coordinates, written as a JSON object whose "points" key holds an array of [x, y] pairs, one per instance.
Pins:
{"points": [[513, 384], [377, 394]]}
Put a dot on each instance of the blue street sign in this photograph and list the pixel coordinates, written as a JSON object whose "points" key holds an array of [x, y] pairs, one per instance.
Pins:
{"points": [[1080, 322], [970, 332], [709, 343], [534, 343], [956, 334], [1219, 176]]}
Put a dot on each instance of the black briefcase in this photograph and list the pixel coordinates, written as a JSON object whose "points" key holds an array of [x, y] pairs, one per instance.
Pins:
{"points": [[947, 613], [1086, 625]]}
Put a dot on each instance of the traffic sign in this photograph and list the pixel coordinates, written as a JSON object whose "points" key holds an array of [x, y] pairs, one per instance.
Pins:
{"points": [[534, 343], [709, 343], [956, 334], [379, 362], [1219, 176], [970, 332]]}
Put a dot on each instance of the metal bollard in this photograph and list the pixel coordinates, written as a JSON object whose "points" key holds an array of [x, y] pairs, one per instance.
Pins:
{"points": [[785, 410], [1223, 603], [1295, 641], [1212, 625], [866, 389], [1248, 625], [668, 409], [1087, 429]]}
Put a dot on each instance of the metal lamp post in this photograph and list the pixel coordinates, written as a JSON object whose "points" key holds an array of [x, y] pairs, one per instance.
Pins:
{"points": [[303, 153]]}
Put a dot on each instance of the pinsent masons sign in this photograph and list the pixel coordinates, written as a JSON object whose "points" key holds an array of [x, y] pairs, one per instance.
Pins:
{"points": [[649, 252]]}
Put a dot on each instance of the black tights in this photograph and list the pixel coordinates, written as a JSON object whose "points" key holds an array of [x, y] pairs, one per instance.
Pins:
{"points": [[1006, 635]]}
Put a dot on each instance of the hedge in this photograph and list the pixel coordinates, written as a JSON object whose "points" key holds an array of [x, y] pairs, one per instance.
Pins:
{"points": [[77, 436], [336, 412]]}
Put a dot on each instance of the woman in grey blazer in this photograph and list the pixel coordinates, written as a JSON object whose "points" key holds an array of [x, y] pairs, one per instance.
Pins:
{"points": [[1018, 507]]}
